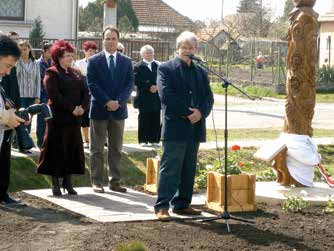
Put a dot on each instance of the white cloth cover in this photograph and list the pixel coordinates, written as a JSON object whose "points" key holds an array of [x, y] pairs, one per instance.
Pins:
{"points": [[301, 158]]}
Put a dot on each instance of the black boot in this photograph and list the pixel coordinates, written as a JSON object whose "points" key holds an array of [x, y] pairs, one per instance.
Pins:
{"points": [[67, 184], [55, 186]]}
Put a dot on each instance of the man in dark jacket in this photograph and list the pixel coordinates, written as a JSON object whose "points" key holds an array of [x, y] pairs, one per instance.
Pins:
{"points": [[8, 88], [186, 100], [110, 81], [44, 63]]}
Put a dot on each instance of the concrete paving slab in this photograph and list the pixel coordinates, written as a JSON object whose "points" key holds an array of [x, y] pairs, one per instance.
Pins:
{"points": [[273, 193], [111, 206]]}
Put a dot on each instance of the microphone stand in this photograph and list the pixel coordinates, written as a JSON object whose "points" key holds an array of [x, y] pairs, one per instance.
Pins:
{"points": [[225, 84]]}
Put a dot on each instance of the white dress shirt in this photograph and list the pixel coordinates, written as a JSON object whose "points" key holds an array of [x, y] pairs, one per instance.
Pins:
{"points": [[82, 66], [108, 56]]}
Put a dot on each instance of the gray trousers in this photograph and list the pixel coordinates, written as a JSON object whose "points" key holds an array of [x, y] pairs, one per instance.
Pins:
{"points": [[99, 129]]}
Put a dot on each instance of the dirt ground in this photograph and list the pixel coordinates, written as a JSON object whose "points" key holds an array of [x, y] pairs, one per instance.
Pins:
{"points": [[43, 226]]}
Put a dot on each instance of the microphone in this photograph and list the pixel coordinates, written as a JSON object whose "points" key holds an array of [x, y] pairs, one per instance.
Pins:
{"points": [[198, 59]]}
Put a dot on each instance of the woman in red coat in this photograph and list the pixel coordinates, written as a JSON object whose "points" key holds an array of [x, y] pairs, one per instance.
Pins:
{"points": [[62, 152]]}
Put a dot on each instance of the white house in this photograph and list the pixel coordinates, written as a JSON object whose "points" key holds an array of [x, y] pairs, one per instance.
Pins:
{"points": [[59, 17], [326, 35]]}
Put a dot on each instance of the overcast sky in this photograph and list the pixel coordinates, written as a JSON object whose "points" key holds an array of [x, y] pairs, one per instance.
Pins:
{"points": [[211, 9]]}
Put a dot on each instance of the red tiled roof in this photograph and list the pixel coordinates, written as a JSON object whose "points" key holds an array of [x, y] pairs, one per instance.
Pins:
{"points": [[158, 13], [207, 34]]}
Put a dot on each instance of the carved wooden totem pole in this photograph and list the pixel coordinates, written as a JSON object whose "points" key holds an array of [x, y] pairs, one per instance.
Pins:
{"points": [[301, 60], [300, 84]]}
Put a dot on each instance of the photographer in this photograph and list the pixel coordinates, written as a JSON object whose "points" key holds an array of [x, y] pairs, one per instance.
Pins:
{"points": [[9, 54]]}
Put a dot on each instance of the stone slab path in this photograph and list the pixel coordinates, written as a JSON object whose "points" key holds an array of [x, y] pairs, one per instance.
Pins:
{"points": [[111, 206], [273, 193], [138, 206]]}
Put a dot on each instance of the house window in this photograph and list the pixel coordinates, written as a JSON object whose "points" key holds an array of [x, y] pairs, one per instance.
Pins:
{"points": [[12, 10]]}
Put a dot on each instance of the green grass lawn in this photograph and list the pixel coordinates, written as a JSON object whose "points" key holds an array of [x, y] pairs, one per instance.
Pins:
{"points": [[130, 137], [265, 92], [24, 177], [251, 90], [133, 168]]}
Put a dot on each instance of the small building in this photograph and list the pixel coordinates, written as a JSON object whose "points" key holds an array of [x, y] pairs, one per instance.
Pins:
{"points": [[215, 42], [59, 17], [157, 16], [326, 38]]}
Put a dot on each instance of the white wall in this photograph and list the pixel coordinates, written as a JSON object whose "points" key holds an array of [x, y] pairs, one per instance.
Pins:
{"points": [[326, 29], [58, 18]]}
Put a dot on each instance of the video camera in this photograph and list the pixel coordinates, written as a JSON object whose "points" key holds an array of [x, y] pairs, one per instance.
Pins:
{"points": [[24, 140]]}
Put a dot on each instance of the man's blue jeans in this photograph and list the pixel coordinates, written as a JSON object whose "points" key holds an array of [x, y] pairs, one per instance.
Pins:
{"points": [[176, 174]]}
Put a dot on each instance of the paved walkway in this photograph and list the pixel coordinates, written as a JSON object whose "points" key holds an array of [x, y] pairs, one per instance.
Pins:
{"points": [[112, 206], [138, 206], [273, 193], [132, 148]]}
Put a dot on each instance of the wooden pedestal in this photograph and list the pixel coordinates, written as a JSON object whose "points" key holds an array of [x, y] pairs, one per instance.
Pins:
{"points": [[240, 194], [152, 171]]}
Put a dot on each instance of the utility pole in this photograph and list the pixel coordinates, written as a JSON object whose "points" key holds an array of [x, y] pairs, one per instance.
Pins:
{"points": [[222, 12], [261, 16]]}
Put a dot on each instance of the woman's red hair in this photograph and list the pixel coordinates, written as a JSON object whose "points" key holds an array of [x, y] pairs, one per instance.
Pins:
{"points": [[89, 45], [59, 48]]}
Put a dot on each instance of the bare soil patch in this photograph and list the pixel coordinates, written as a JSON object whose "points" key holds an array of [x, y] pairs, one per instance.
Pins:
{"points": [[43, 226]]}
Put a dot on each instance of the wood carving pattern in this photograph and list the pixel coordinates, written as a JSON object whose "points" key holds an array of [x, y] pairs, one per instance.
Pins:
{"points": [[300, 83], [301, 60]]}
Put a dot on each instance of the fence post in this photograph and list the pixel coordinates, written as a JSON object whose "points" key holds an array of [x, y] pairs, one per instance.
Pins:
{"points": [[252, 61], [272, 64], [279, 65], [228, 60]]}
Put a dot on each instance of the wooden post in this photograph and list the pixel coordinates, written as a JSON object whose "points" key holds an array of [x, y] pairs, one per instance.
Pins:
{"points": [[301, 62], [152, 171]]}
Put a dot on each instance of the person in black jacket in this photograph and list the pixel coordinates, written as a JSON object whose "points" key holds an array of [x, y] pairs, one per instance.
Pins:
{"points": [[9, 89], [147, 99], [186, 100]]}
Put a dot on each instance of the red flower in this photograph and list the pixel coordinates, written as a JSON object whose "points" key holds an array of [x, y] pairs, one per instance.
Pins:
{"points": [[235, 147], [240, 163]]}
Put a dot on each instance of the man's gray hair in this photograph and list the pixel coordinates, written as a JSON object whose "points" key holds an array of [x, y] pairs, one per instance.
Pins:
{"points": [[186, 36], [146, 48]]}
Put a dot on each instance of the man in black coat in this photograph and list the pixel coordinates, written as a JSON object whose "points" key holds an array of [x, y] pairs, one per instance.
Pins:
{"points": [[9, 88], [147, 99], [186, 100]]}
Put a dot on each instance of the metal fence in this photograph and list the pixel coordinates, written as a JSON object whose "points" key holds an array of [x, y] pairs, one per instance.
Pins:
{"points": [[237, 61], [132, 47]]}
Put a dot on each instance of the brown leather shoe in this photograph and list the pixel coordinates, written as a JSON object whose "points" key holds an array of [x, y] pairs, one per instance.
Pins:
{"points": [[187, 211], [117, 188], [163, 214], [98, 189]]}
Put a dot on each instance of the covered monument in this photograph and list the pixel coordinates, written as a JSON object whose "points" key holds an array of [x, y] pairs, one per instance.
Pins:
{"points": [[295, 154]]}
